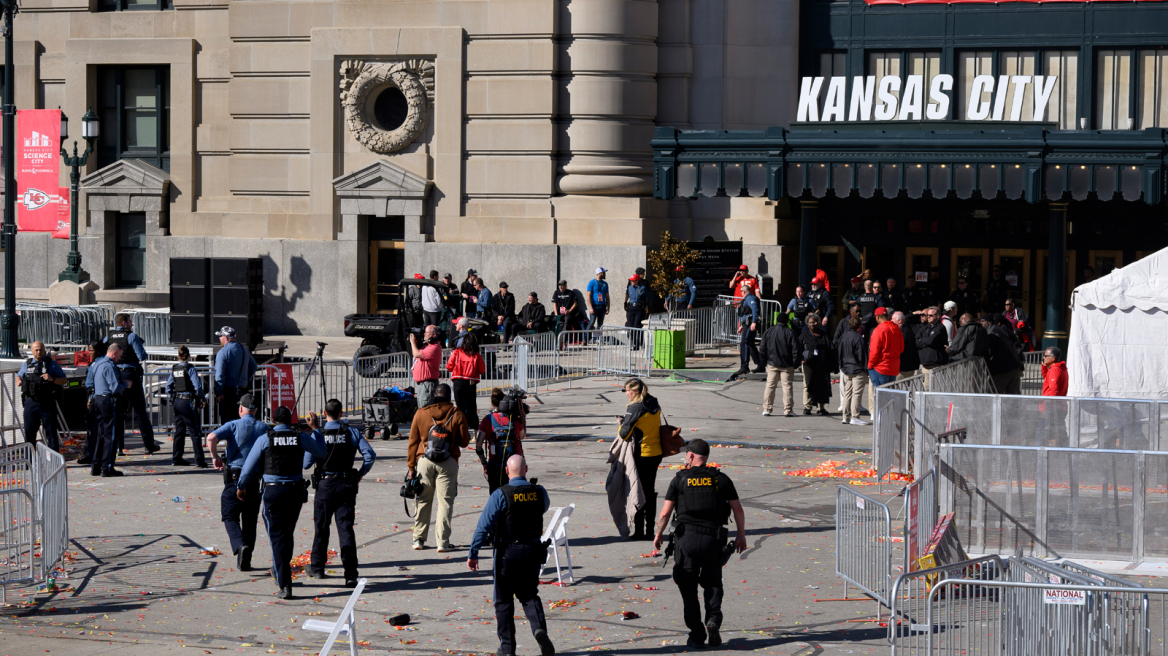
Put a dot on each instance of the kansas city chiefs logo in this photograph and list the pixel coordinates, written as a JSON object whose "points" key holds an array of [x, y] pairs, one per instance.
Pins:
{"points": [[34, 199]]}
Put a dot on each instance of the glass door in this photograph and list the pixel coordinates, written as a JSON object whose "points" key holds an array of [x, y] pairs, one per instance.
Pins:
{"points": [[1104, 262], [387, 266], [1014, 264]]}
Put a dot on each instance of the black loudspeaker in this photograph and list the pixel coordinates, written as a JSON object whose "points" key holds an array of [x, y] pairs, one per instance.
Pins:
{"points": [[190, 300], [237, 297]]}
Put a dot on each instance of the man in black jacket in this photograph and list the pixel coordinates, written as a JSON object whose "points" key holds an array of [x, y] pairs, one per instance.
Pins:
{"points": [[969, 341], [531, 318], [932, 342], [469, 294], [782, 353], [853, 363], [503, 306], [1003, 362], [910, 359]]}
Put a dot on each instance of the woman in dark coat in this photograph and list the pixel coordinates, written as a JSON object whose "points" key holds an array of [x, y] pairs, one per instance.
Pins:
{"points": [[818, 361]]}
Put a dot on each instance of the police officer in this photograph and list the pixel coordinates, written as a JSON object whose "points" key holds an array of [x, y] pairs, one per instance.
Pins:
{"points": [[92, 437], [868, 301], [966, 299], [239, 512], [133, 353], [186, 392], [636, 306], [800, 307], [108, 386], [336, 493], [234, 369], [704, 498], [688, 296], [821, 297], [280, 455], [514, 514], [38, 379]]}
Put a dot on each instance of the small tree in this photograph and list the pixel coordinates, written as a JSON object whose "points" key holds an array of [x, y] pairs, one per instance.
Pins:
{"points": [[665, 279]]}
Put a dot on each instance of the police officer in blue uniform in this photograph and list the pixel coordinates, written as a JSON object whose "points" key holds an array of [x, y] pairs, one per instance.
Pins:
{"points": [[92, 437], [234, 369], [704, 498], [133, 353], [186, 393], [239, 512], [336, 491], [689, 294], [281, 454], [108, 386], [38, 378], [514, 514]]}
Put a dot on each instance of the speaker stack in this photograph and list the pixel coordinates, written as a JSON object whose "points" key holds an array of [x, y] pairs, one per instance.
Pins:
{"points": [[209, 293]]}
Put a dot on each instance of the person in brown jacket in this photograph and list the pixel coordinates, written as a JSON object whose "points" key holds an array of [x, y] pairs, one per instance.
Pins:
{"points": [[437, 437]]}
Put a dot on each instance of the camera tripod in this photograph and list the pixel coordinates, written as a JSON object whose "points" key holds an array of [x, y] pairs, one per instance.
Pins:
{"points": [[317, 364]]}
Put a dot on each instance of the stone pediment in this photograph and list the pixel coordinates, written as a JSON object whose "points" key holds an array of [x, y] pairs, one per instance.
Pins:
{"points": [[127, 177], [382, 180]]}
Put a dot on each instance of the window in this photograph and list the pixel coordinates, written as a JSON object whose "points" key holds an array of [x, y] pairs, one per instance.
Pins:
{"points": [[1152, 108], [1061, 108], [135, 115], [133, 5], [832, 64], [903, 64], [131, 249], [969, 66], [1113, 89]]}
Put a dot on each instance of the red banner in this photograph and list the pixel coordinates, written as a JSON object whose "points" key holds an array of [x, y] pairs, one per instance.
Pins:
{"points": [[281, 390], [959, 2], [62, 231], [38, 147]]}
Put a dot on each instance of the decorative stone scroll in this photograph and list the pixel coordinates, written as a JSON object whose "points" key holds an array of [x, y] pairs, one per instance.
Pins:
{"points": [[361, 81]]}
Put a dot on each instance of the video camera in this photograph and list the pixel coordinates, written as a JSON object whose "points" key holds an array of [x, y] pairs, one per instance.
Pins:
{"points": [[412, 488]]}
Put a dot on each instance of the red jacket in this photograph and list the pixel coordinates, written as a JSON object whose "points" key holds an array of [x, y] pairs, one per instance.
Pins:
{"points": [[884, 349], [1054, 379], [463, 367]]}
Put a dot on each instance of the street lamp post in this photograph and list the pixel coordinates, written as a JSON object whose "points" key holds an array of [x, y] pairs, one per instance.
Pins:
{"points": [[89, 130], [9, 320]]}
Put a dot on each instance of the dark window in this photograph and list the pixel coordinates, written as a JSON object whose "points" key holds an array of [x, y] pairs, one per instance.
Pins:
{"points": [[131, 254], [133, 5], [135, 115], [390, 108]]}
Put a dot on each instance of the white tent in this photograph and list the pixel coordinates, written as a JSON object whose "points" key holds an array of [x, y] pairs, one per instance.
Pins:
{"points": [[1119, 333]]}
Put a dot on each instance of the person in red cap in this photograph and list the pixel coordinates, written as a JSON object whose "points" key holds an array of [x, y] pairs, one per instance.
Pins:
{"points": [[742, 279], [820, 295], [636, 306], [884, 350]]}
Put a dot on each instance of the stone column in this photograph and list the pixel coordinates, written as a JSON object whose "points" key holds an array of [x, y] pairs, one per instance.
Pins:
{"points": [[606, 96], [807, 242], [1056, 281]]}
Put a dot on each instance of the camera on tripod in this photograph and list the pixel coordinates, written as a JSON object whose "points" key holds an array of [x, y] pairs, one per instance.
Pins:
{"points": [[412, 488]]}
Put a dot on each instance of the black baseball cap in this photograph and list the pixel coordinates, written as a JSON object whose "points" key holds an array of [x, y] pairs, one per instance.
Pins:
{"points": [[246, 401], [503, 285], [698, 447]]}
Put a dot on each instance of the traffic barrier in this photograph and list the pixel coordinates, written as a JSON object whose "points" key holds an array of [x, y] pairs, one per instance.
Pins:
{"points": [[1032, 373], [542, 358], [892, 428], [33, 514], [63, 324], [908, 632], [701, 328], [609, 351], [863, 543], [152, 325], [920, 518]]}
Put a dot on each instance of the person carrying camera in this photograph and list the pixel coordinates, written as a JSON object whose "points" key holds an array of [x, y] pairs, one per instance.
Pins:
{"points": [[437, 437], [514, 515], [280, 455], [38, 378], [501, 435], [239, 512], [336, 484], [704, 498], [427, 361]]}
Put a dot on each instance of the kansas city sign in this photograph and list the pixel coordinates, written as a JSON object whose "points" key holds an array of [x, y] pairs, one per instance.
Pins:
{"points": [[886, 101]]}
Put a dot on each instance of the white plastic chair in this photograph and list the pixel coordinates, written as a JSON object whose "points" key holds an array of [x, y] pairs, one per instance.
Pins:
{"points": [[557, 533], [346, 623]]}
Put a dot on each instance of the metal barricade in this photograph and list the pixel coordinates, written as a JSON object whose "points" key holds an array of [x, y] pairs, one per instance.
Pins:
{"points": [[33, 512], [1032, 373], [306, 379], [863, 543], [152, 325], [699, 326], [920, 518], [609, 351], [381, 371], [541, 359], [891, 432], [63, 324], [160, 406], [11, 409], [908, 630]]}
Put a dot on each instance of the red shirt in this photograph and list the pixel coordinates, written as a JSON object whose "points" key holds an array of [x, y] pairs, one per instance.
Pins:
{"points": [[884, 349], [485, 426], [747, 281], [427, 364], [1054, 379]]}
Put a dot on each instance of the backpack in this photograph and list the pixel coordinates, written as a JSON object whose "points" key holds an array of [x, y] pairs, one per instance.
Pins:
{"points": [[502, 445], [439, 441]]}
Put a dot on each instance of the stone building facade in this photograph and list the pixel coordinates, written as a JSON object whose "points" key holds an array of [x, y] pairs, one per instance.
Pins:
{"points": [[348, 142]]}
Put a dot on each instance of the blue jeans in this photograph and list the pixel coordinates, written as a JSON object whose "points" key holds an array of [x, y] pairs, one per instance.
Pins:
{"points": [[878, 378]]}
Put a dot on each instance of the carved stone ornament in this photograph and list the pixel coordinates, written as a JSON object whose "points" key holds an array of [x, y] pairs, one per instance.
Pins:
{"points": [[361, 80]]}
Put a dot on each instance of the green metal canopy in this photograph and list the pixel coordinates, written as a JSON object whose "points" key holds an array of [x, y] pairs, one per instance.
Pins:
{"points": [[1032, 163]]}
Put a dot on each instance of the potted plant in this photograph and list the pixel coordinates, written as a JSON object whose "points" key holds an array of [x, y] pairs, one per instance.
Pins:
{"points": [[668, 267]]}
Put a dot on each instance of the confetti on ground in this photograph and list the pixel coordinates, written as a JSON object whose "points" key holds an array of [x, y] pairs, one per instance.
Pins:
{"points": [[831, 469], [562, 603]]}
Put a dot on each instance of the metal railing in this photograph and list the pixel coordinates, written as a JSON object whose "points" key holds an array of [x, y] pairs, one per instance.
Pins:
{"points": [[725, 317], [152, 325], [863, 543], [507, 365], [908, 632], [63, 324], [920, 518], [701, 326], [892, 429], [609, 351], [1032, 373], [34, 510]]}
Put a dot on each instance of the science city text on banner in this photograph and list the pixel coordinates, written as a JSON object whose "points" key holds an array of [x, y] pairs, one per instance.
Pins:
{"points": [[38, 142]]}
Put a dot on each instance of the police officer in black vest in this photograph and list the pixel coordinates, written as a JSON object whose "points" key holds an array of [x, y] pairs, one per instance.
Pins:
{"points": [[514, 514], [704, 498], [799, 308], [280, 455], [336, 491], [133, 353], [868, 301], [38, 378], [186, 393]]}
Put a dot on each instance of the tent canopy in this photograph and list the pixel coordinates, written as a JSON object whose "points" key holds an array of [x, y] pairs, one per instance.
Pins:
{"points": [[1119, 333]]}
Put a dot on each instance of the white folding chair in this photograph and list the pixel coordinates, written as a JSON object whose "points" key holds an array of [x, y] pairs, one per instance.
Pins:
{"points": [[346, 623], [557, 533]]}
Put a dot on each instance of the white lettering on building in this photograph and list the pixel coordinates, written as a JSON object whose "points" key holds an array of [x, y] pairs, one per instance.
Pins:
{"points": [[883, 99]]}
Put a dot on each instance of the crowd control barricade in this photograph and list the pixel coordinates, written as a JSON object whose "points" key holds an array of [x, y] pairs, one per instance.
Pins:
{"points": [[152, 325], [34, 514], [908, 630], [63, 324], [381, 371], [863, 543], [305, 392], [542, 359], [1032, 373], [608, 351], [161, 407], [892, 432], [700, 326], [920, 518]]}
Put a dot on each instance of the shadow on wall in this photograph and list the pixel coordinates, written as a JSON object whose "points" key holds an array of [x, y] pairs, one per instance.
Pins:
{"points": [[299, 277]]}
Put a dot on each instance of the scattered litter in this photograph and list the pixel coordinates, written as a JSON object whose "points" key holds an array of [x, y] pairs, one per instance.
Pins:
{"points": [[629, 615], [562, 603], [179, 499]]}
